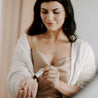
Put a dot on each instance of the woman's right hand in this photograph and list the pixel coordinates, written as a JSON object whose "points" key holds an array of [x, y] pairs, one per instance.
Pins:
{"points": [[27, 88]]}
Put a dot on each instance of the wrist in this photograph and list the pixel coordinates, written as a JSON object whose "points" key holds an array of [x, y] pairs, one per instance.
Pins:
{"points": [[57, 84]]}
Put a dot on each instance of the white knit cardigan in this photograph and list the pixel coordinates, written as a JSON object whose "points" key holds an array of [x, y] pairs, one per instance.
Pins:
{"points": [[82, 64]]}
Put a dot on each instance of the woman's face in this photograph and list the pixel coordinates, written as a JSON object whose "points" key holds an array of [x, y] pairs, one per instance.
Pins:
{"points": [[53, 15]]}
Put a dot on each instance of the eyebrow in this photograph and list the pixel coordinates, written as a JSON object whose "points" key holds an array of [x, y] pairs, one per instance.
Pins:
{"points": [[52, 9]]}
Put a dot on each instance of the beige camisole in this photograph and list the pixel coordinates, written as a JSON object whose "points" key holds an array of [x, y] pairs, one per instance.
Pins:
{"points": [[63, 66], [40, 61]]}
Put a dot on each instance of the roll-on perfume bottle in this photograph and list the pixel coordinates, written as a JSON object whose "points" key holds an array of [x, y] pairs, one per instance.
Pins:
{"points": [[39, 73]]}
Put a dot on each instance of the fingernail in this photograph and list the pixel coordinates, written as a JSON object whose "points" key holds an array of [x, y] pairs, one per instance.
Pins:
{"points": [[25, 88], [29, 87], [21, 88], [21, 91]]}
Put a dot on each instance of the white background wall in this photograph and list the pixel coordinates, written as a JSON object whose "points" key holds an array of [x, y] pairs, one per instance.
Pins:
{"points": [[86, 15]]}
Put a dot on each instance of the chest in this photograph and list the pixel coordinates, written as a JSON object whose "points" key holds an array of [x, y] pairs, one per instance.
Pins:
{"points": [[54, 52]]}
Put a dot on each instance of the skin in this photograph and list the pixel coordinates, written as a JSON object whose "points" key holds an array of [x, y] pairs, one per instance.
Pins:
{"points": [[53, 16], [26, 89]]}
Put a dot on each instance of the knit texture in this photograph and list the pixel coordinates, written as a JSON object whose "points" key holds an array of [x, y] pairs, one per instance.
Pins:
{"points": [[83, 67]]}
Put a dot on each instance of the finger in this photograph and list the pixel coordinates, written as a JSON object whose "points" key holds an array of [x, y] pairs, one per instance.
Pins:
{"points": [[32, 95], [49, 73], [28, 92], [19, 94], [25, 92], [52, 71], [47, 77], [49, 80], [22, 88]]}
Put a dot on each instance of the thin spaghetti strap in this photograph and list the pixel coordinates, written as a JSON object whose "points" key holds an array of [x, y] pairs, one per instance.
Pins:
{"points": [[33, 43], [30, 44]]}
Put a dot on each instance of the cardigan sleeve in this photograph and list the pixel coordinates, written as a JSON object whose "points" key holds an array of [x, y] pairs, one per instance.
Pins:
{"points": [[20, 67], [87, 65]]}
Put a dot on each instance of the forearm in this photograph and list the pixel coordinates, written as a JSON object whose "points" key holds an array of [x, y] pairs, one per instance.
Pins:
{"points": [[67, 90]]}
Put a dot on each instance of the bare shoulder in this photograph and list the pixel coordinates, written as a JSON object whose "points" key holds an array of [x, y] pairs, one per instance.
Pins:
{"points": [[34, 40]]}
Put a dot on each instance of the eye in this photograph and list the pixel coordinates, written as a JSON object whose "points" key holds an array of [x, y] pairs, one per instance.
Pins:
{"points": [[44, 12], [56, 12]]}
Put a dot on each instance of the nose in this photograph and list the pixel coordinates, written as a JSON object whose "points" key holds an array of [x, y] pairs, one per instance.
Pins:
{"points": [[49, 17]]}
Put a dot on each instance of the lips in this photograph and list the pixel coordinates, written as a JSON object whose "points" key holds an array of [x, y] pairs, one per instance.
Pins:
{"points": [[50, 23]]}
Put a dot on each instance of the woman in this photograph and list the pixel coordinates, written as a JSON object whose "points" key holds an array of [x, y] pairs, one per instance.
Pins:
{"points": [[68, 63]]}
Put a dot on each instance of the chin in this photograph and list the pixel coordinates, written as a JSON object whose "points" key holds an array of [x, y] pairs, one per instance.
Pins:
{"points": [[52, 29]]}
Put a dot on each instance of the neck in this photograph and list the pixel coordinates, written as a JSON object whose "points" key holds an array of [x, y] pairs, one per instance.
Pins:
{"points": [[56, 35]]}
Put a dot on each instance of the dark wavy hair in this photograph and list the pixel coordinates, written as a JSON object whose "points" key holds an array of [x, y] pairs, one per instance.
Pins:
{"points": [[69, 25]]}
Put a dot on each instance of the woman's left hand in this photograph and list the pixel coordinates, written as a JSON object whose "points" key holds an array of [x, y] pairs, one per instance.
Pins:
{"points": [[51, 75]]}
